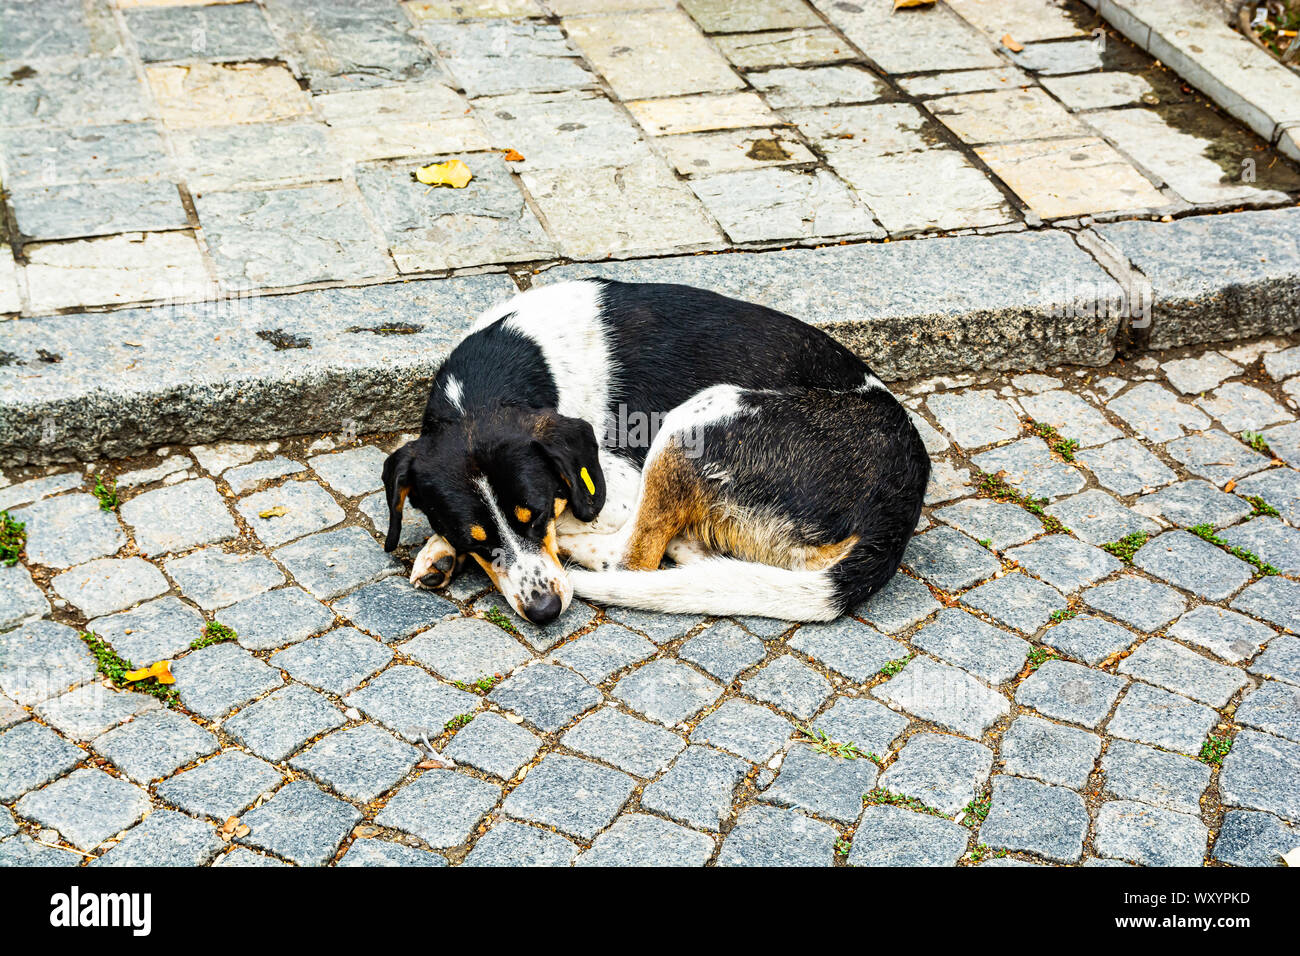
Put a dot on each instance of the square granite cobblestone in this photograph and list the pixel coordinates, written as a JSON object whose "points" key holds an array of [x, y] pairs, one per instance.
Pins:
{"points": [[300, 823], [222, 787], [276, 618], [1272, 599], [546, 695], [69, 530], [744, 729], [1273, 708], [353, 472], [514, 844], [847, 647], [822, 785], [41, 660], [639, 840], [1033, 817], [307, 508], [85, 712], [20, 598], [411, 702], [578, 616], [1098, 518], [372, 852], [1157, 717], [215, 680], [359, 763], [109, 584], [547, 795], [1248, 838], [724, 650], [605, 651], [789, 686], [666, 691], [1280, 660], [898, 605], [1018, 601], [1193, 564], [334, 562], [1143, 605], [1262, 772], [1150, 836], [871, 726], [949, 560], [945, 696], [772, 836], [494, 745], [1064, 562], [892, 836], [1126, 467], [1052, 753], [1135, 772], [1268, 538], [1029, 467], [1280, 487], [1000, 523], [1088, 639], [1156, 414], [280, 723], [974, 419], [697, 790], [1226, 634], [87, 807], [1194, 502], [179, 517], [31, 756], [391, 609], [213, 579], [1071, 692], [631, 745], [960, 638], [1215, 456], [660, 628], [151, 632], [1173, 667], [155, 745], [941, 771], [165, 838], [466, 649]]}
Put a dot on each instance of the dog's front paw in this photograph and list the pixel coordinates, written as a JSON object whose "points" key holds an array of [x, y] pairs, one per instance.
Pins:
{"points": [[435, 565]]}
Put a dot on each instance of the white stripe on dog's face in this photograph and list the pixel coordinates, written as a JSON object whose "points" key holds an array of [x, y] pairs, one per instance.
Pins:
{"points": [[520, 568]]}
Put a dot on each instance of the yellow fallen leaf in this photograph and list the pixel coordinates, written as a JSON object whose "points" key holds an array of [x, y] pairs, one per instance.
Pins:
{"points": [[514, 156], [452, 173], [275, 512], [162, 670], [1010, 43], [902, 4], [1292, 858]]}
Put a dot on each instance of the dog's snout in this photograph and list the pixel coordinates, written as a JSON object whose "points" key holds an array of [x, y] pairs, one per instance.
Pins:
{"points": [[543, 608]]}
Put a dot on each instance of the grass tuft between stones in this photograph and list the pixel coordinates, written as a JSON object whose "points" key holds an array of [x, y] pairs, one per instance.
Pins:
{"points": [[1127, 546], [1261, 508], [106, 493], [822, 744], [996, 487], [893, 667], [882, 797], [214, 632], [13, 538], [1064, 447], [483, 684], [498, 617], [113, 666], [1257, 441], [1215, 749], [1206, 533]]}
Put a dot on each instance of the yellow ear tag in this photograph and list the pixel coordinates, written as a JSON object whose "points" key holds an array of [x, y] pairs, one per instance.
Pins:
{"points": [[586, 480]]}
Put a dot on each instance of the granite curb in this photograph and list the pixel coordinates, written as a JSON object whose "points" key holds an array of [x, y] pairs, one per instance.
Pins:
{"points": [[91, 384]]}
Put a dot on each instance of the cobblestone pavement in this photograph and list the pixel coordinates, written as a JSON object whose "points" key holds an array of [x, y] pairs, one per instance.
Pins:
{"points": [[160, 150], [1026, 691]]}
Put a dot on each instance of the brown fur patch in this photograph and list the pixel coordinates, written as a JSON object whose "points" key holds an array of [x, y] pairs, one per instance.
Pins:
{"points": [[674, 498], [523, 515], [477, 533], [560, 505]]}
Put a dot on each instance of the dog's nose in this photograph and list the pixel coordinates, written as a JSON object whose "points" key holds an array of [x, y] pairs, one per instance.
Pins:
{"points": [[543, 609]]}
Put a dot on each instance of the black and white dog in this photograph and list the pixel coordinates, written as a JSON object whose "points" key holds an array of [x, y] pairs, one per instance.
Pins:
{"points": [[614, 424]]}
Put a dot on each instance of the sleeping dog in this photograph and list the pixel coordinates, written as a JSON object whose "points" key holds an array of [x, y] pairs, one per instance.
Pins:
{"points": [[616, 424]]}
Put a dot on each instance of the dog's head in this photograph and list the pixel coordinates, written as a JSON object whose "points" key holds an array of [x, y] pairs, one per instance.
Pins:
{"points": [[492, 484]]}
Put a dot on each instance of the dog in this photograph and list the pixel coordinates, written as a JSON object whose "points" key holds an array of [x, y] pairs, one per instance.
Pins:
{"points": [[613, 424]]}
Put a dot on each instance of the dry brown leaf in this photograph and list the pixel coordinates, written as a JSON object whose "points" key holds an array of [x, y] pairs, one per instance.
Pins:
{"points": [[1230, 485], [275, 512], [1010, 43], [453, 173], [433, 763]]}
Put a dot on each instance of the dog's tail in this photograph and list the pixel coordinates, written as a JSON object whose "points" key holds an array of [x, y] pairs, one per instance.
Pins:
{"points": [[718, 586]]}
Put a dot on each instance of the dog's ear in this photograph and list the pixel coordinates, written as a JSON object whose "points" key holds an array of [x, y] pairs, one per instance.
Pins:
{"points": [[397, 484], [570, 445]]}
